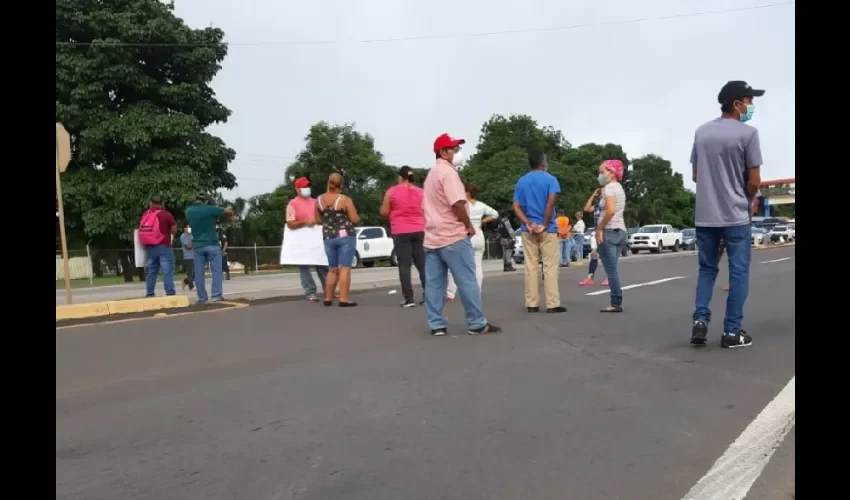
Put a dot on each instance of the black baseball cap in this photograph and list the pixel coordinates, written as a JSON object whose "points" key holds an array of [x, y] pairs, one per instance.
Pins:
{"points": [[405, 172], [737, 90]]}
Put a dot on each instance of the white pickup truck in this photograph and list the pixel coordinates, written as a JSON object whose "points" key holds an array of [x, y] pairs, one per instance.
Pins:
{"points": [[373, 245], [655, 238]]}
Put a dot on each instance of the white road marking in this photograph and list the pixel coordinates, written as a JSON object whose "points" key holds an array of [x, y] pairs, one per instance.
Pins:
{"points": [[776, 260], [733, 474], [638, 285]]}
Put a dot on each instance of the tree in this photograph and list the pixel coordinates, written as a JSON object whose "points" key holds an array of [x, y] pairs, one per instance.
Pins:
{"points": [[655, 194], [340, 148], [132, 88]]}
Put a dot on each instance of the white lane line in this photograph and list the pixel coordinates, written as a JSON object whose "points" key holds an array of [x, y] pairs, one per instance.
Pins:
{"points": [[638, 285], [733, 474], [776, 260]]}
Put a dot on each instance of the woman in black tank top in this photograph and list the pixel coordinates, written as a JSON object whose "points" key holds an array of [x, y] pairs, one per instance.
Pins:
{"points": [[337, 215]]}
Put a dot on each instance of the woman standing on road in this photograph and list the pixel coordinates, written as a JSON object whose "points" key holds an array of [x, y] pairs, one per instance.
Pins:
{"points": [[479, 214], [611, 234], [596, 208], [337, 215], [403, 205]]}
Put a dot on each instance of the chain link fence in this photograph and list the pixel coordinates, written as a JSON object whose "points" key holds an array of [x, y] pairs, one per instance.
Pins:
{"points": [[90, 265]]}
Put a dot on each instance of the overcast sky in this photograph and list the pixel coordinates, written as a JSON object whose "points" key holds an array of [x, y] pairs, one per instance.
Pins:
{"points": [[645, 85]]}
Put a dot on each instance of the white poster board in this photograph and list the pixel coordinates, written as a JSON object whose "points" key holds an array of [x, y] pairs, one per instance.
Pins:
{"points": [[139, 250], [303, 247], [141, 255]]}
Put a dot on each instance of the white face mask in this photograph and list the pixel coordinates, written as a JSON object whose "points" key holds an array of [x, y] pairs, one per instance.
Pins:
{"points": [[458, 159], [305, 192]]}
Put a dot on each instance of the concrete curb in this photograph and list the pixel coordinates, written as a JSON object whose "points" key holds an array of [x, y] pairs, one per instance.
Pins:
{"points": [[113, 307]]}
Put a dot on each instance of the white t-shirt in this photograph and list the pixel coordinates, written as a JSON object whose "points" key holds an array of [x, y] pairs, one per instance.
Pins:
{"points": [[615, 190], [578, 227], [478, 211]]}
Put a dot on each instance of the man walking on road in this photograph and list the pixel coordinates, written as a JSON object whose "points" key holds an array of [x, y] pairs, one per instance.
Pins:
{"points": [[507, 241], [155, 232], [534, 204], [301, 212], [726, 157], [447, 241], [202, 218]]}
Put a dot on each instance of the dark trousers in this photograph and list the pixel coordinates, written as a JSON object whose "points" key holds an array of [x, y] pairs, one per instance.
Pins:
{"points": [[189, 267], [409, 251], [225, 266]]}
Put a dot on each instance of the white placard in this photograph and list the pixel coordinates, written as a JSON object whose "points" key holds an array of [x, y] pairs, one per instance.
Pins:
{"points": [[141, 255], [303, 247], [139, 250]]}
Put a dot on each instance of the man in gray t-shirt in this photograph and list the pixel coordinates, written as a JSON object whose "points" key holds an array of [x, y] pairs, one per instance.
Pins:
{"points": [[726, 158]]}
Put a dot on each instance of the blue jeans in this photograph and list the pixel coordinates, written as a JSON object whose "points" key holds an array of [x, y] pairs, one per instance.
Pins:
{"points": [[566, 251], [340, 251], [307, 283], [738, 250], [458, 258], [160, 258], [211, 255], [613, 241], [578, 246]]}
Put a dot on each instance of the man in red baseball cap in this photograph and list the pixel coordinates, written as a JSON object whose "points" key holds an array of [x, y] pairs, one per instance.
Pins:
{"points": [[447, 244], [301, 212]]}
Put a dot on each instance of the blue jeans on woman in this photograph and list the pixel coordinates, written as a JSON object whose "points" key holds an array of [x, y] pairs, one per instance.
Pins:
{"points": [[578, 246], [613, 241], [459, 258], [738, 250], [340, 251], [208, 255]]}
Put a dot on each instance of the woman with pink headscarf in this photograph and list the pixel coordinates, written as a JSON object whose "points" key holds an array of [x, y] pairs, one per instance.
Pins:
{"points": [[611, 234]]}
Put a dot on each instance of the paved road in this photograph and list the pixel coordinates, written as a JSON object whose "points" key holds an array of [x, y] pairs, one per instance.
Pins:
{"points": [[272, 285], [295, 401]]}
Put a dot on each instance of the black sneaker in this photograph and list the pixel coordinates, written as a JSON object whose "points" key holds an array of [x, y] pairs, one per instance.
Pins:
{"points": [[509, 269], [438, 332], [740, 339], [488, 328], [559, 309], [533, 309], [699, 333], [408, 303]]}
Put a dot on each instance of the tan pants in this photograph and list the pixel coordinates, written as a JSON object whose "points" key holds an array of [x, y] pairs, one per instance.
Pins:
{"points": [[535, 246]]}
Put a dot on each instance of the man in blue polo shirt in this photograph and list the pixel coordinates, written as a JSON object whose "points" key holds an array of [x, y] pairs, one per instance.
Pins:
{"points": [[535, 195]]}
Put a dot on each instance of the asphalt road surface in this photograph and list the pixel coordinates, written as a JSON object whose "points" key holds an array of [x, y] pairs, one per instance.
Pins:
{"points": [[294, 401]]}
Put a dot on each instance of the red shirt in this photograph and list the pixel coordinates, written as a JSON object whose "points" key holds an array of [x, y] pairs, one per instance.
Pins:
{"points": [[166, 221]]}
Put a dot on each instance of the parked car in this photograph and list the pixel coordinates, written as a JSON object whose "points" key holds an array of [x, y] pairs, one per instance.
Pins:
{"points": [[373, 245], [761, 236], [781, 233], [656, 238], [689, 239]]}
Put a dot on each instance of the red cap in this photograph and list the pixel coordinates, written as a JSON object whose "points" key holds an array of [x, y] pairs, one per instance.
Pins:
{"points": [[302, 182], [447, 141]]}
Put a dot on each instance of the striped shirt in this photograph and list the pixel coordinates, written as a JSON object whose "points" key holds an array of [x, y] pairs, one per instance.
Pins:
{"points": [[616, 190]]}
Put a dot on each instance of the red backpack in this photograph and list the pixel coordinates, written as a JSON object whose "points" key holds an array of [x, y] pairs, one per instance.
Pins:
{"points": [[150, 233]]}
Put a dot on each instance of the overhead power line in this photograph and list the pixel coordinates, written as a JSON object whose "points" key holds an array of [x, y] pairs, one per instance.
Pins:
{"points": [[294, 43]]}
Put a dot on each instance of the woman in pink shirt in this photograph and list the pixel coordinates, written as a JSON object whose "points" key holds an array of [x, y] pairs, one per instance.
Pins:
{"points": [[403, 205]]}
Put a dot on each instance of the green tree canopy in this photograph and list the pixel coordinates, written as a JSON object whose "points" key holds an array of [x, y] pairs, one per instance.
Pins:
{"points": [[132, 88]]}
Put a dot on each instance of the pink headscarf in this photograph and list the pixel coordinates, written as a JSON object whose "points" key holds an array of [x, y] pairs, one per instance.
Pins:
{"points": [[615, 167]]}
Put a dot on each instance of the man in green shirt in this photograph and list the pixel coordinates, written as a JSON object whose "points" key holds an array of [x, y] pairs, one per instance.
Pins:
{"points": [[202, 217]]}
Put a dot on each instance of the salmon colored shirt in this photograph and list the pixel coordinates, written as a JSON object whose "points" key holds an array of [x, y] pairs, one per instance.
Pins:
{"points": [[301, 209], [442, 189], [406, 209]]}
